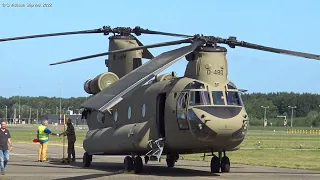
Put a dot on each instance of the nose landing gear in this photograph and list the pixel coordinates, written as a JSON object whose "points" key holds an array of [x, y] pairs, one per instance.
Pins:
{"points": [[220, 162]]}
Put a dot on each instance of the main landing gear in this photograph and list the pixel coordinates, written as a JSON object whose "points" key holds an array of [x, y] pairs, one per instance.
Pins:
{"points": [[220, 162], [133, 164], [86, 159]]}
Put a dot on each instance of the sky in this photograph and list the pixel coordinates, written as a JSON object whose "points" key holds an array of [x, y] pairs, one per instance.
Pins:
{"points": [[283, 24]]}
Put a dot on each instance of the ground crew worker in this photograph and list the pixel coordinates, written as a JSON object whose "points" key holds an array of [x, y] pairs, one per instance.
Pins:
{"points": [[43, 136], [70, 133], [5, 139]]}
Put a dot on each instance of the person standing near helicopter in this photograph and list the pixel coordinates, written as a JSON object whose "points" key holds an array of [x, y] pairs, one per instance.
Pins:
{"points": [[71, 136]]}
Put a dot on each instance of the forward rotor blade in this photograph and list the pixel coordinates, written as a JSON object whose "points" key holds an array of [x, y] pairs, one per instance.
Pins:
{"points": [[117, 91], [53, 34], [232, 43], [125, 50]]}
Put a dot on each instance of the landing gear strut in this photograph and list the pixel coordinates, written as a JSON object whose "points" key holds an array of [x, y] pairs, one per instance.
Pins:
{"points": [[86, 159], [220, 162], [133, 164]]}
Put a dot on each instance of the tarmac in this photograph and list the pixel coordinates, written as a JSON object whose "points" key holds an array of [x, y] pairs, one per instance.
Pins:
{"points": [[23, 165]]}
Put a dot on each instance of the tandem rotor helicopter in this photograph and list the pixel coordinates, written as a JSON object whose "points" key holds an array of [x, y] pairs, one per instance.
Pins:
{"points": [[136, 112]]}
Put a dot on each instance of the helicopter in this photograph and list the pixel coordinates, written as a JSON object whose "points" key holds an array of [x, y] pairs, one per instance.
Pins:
{"points": [[134, 111]]}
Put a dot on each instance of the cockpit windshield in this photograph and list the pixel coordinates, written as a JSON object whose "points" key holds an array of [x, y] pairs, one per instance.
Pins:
{"points": [[199, 98], [233, 98], [218, 98]]}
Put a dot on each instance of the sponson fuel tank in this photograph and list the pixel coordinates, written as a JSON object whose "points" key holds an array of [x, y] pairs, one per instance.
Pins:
{"points": [[112, 140]]}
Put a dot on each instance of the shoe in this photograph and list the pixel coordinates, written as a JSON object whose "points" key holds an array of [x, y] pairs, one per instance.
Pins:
{"points": [[3, 173], [39, 161]]}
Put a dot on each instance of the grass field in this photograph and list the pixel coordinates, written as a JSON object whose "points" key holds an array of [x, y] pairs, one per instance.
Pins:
{"points": [[277, 147]]}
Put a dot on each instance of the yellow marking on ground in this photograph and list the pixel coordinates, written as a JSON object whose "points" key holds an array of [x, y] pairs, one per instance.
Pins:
{"points": [[209, 178]]}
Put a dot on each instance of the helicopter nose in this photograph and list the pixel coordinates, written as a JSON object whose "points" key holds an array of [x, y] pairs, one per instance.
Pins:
{"points": [[224, 121]]}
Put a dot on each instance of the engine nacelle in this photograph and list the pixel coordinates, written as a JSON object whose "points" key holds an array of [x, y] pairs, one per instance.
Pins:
{"points": [[100, 82]]}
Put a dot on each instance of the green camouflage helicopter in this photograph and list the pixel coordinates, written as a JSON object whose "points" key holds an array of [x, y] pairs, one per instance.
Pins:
{"points": [[136, 112]]}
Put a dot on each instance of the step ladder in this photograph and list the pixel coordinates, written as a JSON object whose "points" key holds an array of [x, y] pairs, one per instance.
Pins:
{"points": [[156, 149]]}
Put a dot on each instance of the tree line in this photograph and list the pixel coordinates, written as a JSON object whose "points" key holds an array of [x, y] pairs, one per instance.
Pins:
{"points": [[306, 113]]}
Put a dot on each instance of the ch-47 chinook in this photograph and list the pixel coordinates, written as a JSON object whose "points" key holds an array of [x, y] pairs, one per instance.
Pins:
{"points": [[135, 112]]}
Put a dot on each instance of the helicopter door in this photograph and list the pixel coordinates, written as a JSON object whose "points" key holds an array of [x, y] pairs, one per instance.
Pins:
{"points": [[182, 111], [161, 100]]}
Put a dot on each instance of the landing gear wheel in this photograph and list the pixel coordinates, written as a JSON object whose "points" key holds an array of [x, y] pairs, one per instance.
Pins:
{"points": [[128, 163], [86, 159], [215, 164], [146, 159], [225, 164], [170, 162], [138, 165]]}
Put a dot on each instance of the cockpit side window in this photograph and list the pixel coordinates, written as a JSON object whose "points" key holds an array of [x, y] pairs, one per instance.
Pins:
{"points": [[182, 101], [233, 98], [218, 98], [199, 98]]}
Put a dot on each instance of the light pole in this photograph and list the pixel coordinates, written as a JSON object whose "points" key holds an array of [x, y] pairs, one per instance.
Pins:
{"points": [[19, 104], [292, 112], [265, 115], [6, 112], [60, 118]]}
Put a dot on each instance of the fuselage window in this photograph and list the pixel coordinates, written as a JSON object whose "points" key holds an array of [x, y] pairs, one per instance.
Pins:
{"points": [[199, 98], [233, 98], [115, 115], [218, 98], [143, 110], [129, 112]]}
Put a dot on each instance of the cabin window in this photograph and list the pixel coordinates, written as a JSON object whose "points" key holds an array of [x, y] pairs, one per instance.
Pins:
{"points": [[115, 115], [143, 110], [233, 98], [199, 98], [182, 101], [129, 112], [218, 98]]}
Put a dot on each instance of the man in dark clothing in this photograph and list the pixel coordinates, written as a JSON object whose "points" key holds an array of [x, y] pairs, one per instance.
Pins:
{"points": [[5, 139], [71, 136]]}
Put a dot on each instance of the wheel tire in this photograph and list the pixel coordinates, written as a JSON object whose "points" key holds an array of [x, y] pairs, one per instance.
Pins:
{"points": [[146, 159], [86, 160], [128, 163], [225, 164], [138, 165], [215, 164], [170, 162]]}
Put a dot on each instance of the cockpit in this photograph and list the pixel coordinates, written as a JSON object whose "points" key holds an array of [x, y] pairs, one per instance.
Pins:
{"points": [[198, 95]]}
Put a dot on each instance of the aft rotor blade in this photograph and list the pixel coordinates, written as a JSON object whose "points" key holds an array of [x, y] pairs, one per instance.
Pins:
{"points": [[146, 53], [53, 34], [125, 50], [147, 31], [232, 43], [119, 90]]}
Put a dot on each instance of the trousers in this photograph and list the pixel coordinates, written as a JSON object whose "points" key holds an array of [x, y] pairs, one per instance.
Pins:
{"points": [[4, 158], [42, 154], [71, 150]]}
